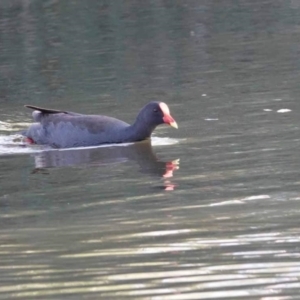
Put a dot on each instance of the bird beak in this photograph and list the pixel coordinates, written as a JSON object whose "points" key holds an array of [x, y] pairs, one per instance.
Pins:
{"points": [[167, 118], [170, 121]]}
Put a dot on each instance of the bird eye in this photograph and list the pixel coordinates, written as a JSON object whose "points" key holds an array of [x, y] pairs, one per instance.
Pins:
{"points": [[155, 110]]}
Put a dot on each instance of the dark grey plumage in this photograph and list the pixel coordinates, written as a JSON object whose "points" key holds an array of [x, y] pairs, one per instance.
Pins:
{"points": [[63, 129]]}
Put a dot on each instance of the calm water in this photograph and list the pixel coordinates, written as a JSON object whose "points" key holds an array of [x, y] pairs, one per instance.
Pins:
{"points": [[210, 211]]}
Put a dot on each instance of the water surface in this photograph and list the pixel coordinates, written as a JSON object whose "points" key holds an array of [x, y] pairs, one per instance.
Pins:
{"points": [[209, 211]]}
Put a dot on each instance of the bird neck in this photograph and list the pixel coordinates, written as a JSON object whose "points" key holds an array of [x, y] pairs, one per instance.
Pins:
{"points": [[141, 130]]}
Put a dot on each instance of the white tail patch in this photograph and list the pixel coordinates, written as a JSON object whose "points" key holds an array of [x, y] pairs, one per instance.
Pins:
{"points": [[164, 107]]}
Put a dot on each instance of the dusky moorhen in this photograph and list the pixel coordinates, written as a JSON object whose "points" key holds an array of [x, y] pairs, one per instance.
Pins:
{"points": [[64, 129]]}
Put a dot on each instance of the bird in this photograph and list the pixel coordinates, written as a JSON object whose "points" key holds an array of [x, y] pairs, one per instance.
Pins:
{"points": [[64, 129]]}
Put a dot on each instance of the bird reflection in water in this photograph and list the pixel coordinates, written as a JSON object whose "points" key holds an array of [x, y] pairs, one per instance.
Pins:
{"points": [[171, 166], [141, 153]]}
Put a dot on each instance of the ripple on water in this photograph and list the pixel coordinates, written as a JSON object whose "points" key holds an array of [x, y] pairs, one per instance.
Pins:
{"points": [[13, 144]]}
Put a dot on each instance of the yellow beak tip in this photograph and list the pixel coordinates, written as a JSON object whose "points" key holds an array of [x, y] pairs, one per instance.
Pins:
{"points": [[174, 124]]}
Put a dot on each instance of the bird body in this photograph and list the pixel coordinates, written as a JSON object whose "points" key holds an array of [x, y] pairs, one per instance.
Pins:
{"points": [[63, 129]]}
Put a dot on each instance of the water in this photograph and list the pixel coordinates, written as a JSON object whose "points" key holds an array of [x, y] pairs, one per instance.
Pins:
{"points": [[208, 211]]}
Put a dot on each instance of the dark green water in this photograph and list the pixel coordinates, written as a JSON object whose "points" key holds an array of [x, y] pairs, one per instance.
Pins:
{"points": [[209, 211]]}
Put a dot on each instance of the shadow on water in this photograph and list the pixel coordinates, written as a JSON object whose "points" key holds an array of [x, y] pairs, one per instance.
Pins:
{"points": [[142, 153]]}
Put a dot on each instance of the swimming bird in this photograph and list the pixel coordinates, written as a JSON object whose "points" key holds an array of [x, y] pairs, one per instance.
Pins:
{"points": [[64, 129]]}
